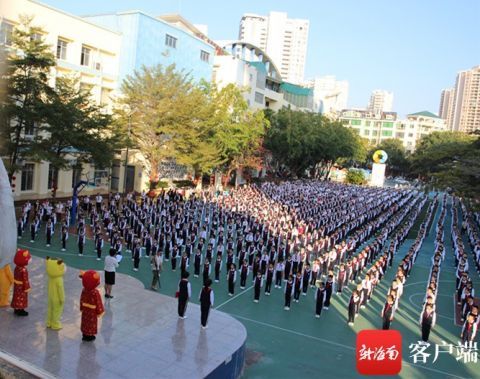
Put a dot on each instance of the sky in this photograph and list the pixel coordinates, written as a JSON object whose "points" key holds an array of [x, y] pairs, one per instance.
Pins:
{"points": [[413, 48]]}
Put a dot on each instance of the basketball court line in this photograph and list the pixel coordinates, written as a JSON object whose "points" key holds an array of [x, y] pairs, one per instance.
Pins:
{"points": [[234, 297], [338, 344], [419, 307], [56, 252]]}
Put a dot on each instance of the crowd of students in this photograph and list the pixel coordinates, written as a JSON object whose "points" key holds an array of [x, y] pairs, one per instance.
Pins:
{"points": [[465, 295], [290, 237]]}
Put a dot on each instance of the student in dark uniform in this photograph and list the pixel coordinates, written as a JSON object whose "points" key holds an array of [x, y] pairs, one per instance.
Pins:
{"points": [[341, 278], [231, 278], [33, 230], [469, 330], [99, 246], [184, 262], [306, 277], [329, 288], [64, 236], [81, 241], [288, 292], [206, 270], [269, 279], [49, 232], [20, 227], [244, 270], [136, 256], [206, 302], [256, 267], [319, 297], [387, 313], [174, 257], [352, 307], [197, 263], [184, 293], [297, 286], [427, 321], [258, 284], [218, 268]]}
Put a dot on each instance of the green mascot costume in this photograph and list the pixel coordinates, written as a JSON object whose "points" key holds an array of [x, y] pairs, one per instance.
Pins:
{"points": [[56, 293]]}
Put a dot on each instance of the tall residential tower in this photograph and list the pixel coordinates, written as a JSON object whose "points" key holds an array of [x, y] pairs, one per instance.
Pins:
{"points": [[380, 101], [283, 39]]}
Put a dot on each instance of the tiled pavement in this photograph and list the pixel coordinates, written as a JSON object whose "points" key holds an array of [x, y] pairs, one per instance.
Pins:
{"points": [[139, 336]]}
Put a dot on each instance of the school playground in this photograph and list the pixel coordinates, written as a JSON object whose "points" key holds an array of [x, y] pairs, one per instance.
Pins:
{"points": [[295, 344]]}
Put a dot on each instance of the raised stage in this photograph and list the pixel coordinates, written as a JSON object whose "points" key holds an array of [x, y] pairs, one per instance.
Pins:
{"points": [[140, 336]]}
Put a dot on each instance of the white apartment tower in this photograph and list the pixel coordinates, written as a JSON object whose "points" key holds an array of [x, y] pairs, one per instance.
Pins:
{"points": [[330, 96], [465, 110], [283, 39], [446, 103], [380, 101]]}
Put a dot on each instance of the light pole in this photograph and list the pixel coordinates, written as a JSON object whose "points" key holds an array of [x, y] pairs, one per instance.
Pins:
{"points": [[126, 152]]}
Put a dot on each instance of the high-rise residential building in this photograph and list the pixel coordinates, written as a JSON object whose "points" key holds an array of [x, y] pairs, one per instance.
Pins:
{"points": [[330, 96], [465, 107], [380, 101], [283, 39], [446, 104]]}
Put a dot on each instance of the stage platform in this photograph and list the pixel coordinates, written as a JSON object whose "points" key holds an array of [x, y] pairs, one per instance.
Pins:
{"points": [[140, 336]]}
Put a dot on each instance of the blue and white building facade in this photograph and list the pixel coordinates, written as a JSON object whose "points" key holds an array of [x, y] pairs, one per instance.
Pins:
{"points": [[149, 41]]}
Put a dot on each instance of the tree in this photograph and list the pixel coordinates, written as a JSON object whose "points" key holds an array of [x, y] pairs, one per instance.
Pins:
{"points": [[302, 140], [28, 64], [239, 131], [449, 160], [355, 176], [74, 129], [154, 102], [397, 162]]}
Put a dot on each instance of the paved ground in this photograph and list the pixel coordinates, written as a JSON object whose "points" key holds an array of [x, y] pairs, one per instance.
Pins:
{"points": [[295, 344], [140, 335]]}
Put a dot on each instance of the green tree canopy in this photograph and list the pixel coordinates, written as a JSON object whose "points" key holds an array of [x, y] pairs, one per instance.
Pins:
{"points": [[302, 140], [355, 176], [26, 87], [449, 160]]}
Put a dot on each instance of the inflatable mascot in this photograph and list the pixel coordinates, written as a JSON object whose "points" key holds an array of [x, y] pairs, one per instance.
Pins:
{"points": [[56, 292], [8, 236]]}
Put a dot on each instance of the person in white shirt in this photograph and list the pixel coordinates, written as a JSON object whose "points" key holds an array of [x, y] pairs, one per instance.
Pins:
{"points": [[111, 265]]}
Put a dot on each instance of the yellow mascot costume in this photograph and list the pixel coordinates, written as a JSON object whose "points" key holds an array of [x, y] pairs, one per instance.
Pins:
{"points": [[56, 293], [8, 236]]}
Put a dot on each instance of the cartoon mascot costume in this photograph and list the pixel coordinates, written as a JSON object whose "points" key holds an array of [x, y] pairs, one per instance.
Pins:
{"points": [[8, 236], [56, 292]]}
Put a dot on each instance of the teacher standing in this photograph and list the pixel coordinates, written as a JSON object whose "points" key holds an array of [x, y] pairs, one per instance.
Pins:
{"points": [[111, 264]]}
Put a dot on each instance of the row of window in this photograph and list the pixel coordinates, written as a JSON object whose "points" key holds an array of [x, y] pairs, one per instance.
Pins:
{"points": [[6, 31], [28, 176]]}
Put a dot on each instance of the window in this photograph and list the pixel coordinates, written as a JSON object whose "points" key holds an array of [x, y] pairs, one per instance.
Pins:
{"points": [[387, 133], [6, 31], [36, 37], [30, 128], [62, 49], [400, 135], [52, 177], [85, 57], [366, 132], [388, 124], [27, 177], [259, 97], [374, 132], [204, 56], [356, 122], [410, 135], [367, 123], [170, 41]]}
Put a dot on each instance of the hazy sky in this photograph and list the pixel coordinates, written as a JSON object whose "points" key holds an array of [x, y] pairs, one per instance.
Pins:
{"points": [[411, 47]]}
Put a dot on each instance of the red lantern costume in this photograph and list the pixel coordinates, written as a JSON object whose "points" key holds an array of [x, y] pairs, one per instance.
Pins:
{"points": [[21, 284], [91, 305]]}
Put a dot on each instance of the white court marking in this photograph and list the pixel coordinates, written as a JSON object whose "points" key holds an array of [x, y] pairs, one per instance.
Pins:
{"points": [[234, 297], [56, 252], [419, 307], [339, 344]]}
